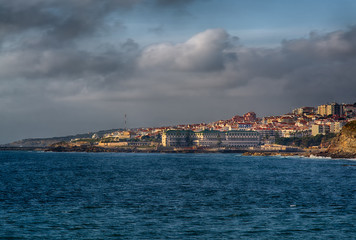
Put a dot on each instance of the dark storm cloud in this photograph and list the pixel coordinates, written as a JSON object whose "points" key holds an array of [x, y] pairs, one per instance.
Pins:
{"points": [[66, 63], [57, 20], [66, 19], [45, 36], [41, 40], [18, 16]]}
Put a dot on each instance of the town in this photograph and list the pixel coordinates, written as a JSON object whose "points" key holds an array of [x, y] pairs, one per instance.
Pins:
{"points": [[239, 132]]}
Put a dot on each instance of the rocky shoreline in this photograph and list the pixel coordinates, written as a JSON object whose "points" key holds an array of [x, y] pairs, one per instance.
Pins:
{"points": [[95, 149], [244, 152], [321, 153], [137, 150], [303, 154]]}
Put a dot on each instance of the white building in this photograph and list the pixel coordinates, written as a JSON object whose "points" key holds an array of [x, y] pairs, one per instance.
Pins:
{"points": [[335, 127], [320, 129], [245, 126], [210, 138]]}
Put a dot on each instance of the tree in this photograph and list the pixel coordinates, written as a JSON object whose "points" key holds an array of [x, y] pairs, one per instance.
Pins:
{"points": [[188, 139], [219, 141]]}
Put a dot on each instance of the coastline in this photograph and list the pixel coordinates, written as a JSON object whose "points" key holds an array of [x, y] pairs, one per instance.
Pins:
{"points": [[244, 152]]}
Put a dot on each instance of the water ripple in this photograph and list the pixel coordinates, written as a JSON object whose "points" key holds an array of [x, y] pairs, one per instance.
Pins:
{"points": [[174, 196]]}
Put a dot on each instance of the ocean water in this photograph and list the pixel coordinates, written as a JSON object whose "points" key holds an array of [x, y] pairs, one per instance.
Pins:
{"points": [[175, 196]]}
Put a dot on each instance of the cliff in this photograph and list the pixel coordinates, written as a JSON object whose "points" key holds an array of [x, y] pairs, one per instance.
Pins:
{"points": [[344, 144]]}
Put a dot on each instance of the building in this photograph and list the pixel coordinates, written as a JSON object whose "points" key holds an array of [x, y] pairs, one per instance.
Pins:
{"points": [[250, 117], [237, 118], [244, 126], [330, 109], [291, 133], [284, 119], [119, 135], [276, 147], [303, 110], [335, 127], [270, 119], [210, 138], [349, 110], [126, 144], [320, 129], [334, 109], [241, 139], [178, 138], [266, 133], [322, 110]]}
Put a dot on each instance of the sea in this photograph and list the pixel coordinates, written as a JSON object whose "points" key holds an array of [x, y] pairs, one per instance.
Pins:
{"points": [[45, 195]]}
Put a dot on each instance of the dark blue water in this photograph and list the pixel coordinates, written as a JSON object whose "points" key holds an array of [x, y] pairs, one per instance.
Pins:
{"points": [[175, 196]]}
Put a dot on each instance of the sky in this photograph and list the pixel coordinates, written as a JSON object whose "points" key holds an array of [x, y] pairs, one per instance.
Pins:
{"points": [[77, 66]]}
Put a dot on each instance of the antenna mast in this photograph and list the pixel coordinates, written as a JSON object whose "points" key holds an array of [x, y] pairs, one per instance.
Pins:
{"points": [[125, 122]]}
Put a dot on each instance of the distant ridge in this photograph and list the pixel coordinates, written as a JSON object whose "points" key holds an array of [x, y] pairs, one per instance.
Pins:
{"points": [[46, 142]]}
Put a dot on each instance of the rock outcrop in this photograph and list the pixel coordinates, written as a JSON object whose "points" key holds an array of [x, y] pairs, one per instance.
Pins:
{"points": [[344, 144]]}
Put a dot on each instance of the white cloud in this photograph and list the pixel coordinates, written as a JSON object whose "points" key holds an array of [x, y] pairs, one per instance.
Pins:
{"points": [[203, 52]]}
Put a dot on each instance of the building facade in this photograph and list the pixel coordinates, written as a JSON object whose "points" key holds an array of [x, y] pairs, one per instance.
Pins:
{"points": [[330, 109], [335, 127], [320, 129], [303, 110], [178, 138], [322, 110], [210, 138]]}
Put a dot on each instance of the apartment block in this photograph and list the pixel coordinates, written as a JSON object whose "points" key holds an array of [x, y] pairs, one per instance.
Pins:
{"points": [[320, 129], [330, 109]]}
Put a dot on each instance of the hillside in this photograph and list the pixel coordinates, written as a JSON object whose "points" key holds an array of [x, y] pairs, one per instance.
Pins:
{"points": [[344, 144], [46, 142]]}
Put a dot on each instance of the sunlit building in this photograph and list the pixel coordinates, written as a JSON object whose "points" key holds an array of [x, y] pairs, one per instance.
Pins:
{"points": [[320, 129], [210, 138]]}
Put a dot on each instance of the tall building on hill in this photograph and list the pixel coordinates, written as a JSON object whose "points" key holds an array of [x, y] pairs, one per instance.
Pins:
{"points": [[330, 109], [334, 109], [322, 110]]}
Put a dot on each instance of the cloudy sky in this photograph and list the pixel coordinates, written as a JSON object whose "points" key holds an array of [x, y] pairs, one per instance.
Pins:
{"points": [[74, 66]]}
